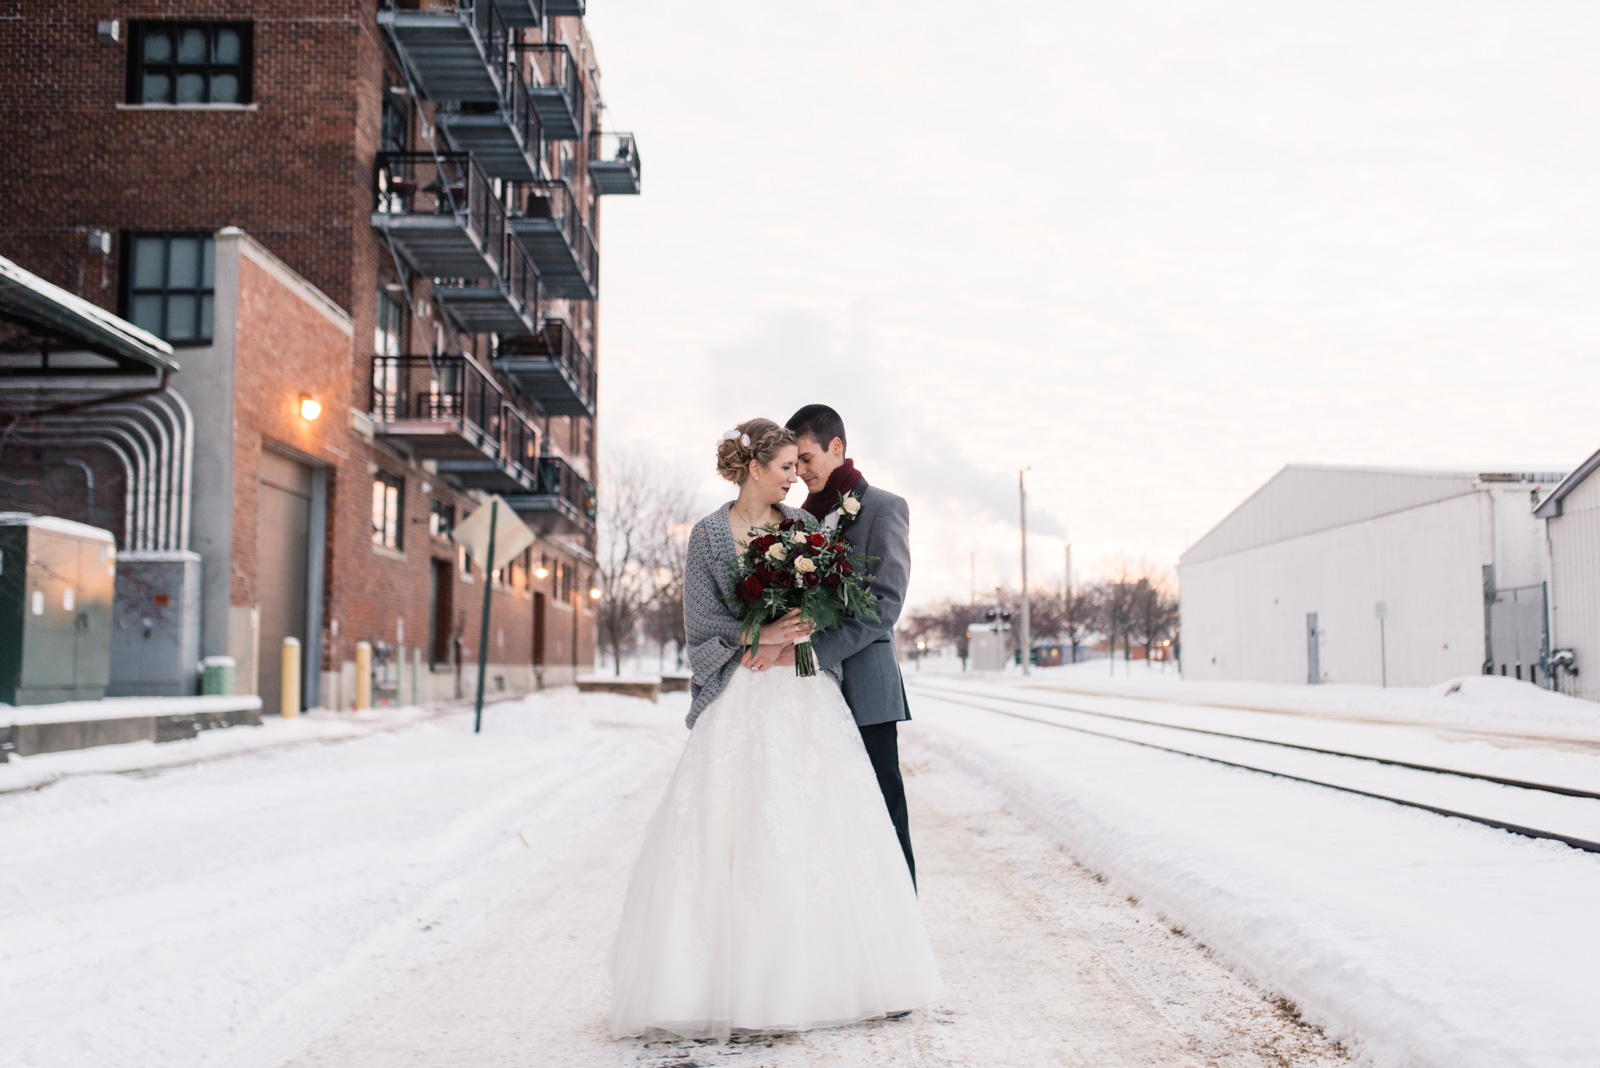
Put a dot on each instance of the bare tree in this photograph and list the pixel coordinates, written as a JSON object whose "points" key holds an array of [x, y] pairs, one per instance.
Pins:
{"points": [[1080, 607], [642, 510], [663, 619], [1153, 608]]}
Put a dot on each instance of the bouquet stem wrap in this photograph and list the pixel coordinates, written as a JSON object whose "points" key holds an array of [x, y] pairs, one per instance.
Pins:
{"points": [[805, 663]]}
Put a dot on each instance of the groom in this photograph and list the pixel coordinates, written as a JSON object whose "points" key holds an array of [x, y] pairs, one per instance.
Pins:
{"points": [[881, 529]]}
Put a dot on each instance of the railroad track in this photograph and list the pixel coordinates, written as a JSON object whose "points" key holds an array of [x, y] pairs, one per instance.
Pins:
{"points": [[988, 703]]}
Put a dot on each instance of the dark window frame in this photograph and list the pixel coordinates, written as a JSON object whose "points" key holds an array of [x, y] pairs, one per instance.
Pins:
{"points": [[380, 530], [204, 294], [138, 66]]}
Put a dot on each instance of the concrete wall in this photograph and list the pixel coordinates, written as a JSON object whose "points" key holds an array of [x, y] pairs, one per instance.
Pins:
{"points": [[1574, 540]]}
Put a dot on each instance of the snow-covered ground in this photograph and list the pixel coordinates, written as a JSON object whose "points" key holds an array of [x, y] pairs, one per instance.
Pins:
{"points": [[391, 890], [1415, 938], [415, 895]]}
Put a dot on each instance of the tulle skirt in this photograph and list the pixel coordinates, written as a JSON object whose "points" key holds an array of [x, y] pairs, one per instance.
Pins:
{"points": [[771, 893]]}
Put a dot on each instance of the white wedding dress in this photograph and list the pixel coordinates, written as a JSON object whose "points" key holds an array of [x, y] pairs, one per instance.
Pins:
{"points": [[770, 893]]}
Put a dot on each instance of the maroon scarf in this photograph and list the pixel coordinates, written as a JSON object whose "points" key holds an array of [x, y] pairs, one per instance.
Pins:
{"points": [[845, 478]]}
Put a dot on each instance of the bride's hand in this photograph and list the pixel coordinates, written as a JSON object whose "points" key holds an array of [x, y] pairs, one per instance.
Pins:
{"points": [[766, 656]]}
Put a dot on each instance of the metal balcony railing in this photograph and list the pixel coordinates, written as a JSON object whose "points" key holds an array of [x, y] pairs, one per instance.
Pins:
{"points": [[557, 90], [505, 138], [614, 165], [546, 217], [562, 501], [507, 305], [521, 14], [454, 49], [519, 445], [557, 8], [551, 368], [442, 213], [442, 406]]}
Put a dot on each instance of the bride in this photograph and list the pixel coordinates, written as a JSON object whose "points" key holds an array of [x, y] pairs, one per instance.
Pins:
{"points": [[771, 893]]}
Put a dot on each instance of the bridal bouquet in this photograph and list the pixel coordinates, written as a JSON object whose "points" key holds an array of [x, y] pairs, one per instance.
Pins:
{"points": [[798, 564]]}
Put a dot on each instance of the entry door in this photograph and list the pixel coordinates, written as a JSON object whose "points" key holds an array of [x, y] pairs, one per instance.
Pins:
{"points": [[283, 553], [1313, 655], [1517, 632], [538, 629], [439, 586]]}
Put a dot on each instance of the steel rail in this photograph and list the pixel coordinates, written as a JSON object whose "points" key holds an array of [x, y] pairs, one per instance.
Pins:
{"points": [[1523, 784], [1583, 844]]}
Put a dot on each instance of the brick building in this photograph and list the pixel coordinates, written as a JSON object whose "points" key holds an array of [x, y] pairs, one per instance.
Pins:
{"points": [[369, 231]]}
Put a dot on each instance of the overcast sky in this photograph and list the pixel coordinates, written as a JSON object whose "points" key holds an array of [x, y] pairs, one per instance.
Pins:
{"points": [[1153, 251]]}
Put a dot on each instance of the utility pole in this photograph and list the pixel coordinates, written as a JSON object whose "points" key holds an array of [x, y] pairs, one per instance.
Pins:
{"points": [[1026, 638]]}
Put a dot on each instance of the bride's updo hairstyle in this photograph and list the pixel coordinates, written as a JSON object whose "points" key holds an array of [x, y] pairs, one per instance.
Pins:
{"points": [[754, 439]]}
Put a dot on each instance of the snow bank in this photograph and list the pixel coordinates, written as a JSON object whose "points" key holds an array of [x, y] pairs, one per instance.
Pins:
{"points": [[205, 913], [1479, 701], [1420, 941], [123, 708]]}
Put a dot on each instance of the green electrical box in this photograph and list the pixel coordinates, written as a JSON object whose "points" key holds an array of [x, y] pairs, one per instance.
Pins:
{"points": [[56, 582]]}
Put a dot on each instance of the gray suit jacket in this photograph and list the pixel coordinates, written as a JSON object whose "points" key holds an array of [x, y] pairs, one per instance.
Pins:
{"points": [[863, 648]]}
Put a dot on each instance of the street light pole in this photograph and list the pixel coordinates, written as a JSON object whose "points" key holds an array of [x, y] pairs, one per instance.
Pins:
{"points": [[1026, 642]]}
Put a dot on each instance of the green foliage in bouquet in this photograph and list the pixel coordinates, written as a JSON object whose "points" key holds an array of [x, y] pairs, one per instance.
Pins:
{"points": [[799, 564]]}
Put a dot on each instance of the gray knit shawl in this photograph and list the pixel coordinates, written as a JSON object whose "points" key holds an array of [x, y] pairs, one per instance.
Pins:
{"points": [[712, 630]]}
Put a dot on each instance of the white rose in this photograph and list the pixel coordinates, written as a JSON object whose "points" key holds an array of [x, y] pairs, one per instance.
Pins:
{"points": [[777, 552], [850, 506], [798, 537], [804, 565]]}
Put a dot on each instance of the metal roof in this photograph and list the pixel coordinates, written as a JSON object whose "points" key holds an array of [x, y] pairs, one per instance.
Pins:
{"points": [[1551, 506], [50, 311], [1303, 499]]}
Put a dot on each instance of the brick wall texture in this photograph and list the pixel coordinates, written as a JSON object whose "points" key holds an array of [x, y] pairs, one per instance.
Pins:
{"points": [[294, 169]]}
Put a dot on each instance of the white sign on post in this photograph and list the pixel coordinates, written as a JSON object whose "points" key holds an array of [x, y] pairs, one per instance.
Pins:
{"points": [[511, 535]]}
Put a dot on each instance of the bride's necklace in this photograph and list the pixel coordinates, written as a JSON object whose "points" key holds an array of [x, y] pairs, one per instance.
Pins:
{"points": [[744, 520]]}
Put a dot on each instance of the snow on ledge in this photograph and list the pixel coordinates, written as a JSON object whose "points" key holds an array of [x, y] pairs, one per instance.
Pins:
{"points": [[124, 708]]}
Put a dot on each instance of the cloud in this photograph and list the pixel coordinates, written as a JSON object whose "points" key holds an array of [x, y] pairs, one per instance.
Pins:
{"points": [[797, 356]]}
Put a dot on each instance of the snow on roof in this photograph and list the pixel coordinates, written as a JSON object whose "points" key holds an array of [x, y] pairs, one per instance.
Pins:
{"points": [[1305, 498], [26, 297], [57, 524]]}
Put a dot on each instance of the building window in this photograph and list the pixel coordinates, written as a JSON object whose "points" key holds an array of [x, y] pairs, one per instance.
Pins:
{"points": [[169, 285], [441, 519], [189, 63], [396, 120], [388, 501]]}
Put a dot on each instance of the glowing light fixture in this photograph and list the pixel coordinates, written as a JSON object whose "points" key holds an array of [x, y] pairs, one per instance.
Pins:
{"points": [[594, 593], [310, 407], [541, 572]]}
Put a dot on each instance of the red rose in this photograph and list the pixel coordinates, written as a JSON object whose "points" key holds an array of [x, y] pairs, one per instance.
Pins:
{"points": [[831, 580], [811, 579], [844, 567], [787, 524], [782, 580], [751, 589], [818, 540], [765, 573], [763, 543]]}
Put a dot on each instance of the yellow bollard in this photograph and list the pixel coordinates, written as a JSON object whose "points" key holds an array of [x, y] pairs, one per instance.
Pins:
{"points": [[363, 675], [289, 702]]}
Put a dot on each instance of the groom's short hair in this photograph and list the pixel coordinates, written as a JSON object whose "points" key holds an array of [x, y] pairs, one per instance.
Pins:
{"points": [[820, 423]]}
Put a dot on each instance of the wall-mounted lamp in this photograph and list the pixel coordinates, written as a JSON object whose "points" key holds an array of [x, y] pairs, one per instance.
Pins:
{"points": [[310, 407], [541, 572], [594, 593]]}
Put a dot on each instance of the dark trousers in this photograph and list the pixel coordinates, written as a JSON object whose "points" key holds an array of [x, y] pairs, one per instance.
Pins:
{"points": [[883, 747]]}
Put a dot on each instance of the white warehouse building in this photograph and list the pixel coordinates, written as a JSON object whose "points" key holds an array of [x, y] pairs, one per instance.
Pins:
{"points": [[1372, 575], [1572, 522]]}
